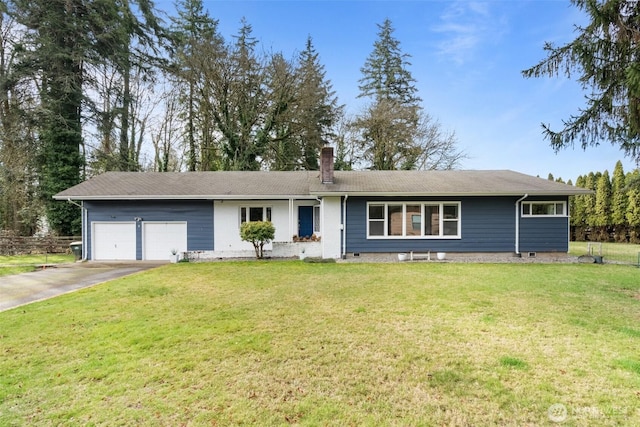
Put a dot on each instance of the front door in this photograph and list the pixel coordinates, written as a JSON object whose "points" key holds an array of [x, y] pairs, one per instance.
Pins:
{"points": [[305, 221]]}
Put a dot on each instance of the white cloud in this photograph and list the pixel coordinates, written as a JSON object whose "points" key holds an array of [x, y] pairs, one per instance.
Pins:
{"points": [[464, 27]]}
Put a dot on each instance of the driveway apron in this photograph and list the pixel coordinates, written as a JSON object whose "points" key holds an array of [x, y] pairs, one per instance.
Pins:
{"points": [[25, 288]]}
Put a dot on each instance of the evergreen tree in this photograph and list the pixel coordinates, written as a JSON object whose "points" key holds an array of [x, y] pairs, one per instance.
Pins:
{"points": [[389, 124], [279, 133], [602, 211], [590, 200], [604, 56], [619, 203], [578, 211], [238, 99], [633, 209], [385, 74], [59, 42], [196, 40], [317, 109], [393, 131]]}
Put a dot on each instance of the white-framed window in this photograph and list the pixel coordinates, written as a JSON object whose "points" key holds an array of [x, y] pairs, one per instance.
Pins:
{"points": [[430, 220], [255, 213], [544, 209]]}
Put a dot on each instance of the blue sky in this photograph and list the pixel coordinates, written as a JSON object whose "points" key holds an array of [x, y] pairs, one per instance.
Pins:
{"points": [[466, 57]]}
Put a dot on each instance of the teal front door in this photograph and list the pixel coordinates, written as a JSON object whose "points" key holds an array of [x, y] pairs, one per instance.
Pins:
{"points": [[305, 221]]}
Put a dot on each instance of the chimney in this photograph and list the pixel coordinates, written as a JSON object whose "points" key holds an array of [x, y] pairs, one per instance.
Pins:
{"points": [[326, 165]]}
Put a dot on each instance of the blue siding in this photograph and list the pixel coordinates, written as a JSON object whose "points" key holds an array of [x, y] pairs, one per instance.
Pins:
{"points": [[544, 234], [197, 213], [488, 225], [540, 234]]}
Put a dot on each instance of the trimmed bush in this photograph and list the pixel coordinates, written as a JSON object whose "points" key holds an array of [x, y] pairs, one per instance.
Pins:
{"points": [[258, 233]]}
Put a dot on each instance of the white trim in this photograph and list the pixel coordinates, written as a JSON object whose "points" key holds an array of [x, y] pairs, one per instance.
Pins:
{"points": [[144, 234], [452, 194], [315, 194], [292, 228], [564, 204], [422, 204], [193, 197], [93, 239], [517, 213], [249, 206]]}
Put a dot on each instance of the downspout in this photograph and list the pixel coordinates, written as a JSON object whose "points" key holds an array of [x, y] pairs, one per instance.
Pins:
{"points": [[518, 222], [344, 227], [84, 219]]}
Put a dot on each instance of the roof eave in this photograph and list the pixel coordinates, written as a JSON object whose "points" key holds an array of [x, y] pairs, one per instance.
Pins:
{"points": [[114, 197], [447, 194]]}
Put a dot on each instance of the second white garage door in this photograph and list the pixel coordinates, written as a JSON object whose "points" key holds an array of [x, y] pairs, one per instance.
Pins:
{"points": [[159, 238]]}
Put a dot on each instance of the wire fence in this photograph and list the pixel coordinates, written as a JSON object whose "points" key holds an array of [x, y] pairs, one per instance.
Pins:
{"points": [[619, 253]]}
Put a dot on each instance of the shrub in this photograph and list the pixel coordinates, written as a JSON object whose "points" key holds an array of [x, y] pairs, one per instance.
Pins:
{"points": [[258, 233]]}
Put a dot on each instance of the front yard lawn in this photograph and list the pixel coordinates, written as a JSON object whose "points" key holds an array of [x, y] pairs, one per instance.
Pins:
{"points": [[277, 343]]}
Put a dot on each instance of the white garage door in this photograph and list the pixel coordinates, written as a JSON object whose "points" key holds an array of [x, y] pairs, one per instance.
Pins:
{"points": [[159, 238], [114, 241]]}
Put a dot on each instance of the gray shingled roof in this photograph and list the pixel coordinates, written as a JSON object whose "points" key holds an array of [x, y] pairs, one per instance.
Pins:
{"points": [[450, 182], [275, 185]]}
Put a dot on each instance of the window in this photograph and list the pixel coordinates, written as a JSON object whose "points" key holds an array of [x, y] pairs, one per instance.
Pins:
{"points": [[376, 220], [432, 220], [250, 214], [544, 209], [395, 220], [413, 220]]}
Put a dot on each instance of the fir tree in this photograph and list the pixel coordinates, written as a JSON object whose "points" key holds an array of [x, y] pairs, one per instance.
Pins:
{"points": [[618, 202], [386, 72], [57, 32], [602, 210], [633, 208], [393, 130], [577, 207], [317, 106], [196, 41], [604, 57]]}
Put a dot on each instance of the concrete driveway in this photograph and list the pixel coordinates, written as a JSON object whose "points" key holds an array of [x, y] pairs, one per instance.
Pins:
{"points": [[25, 288]]}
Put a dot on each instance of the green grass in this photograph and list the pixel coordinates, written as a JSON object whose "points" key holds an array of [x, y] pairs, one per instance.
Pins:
{"points": [[277, 343], [619, 252], [23, 263]]}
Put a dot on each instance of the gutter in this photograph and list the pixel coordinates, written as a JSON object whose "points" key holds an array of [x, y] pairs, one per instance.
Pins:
{"points": [[84, 220], [192, 197], [518, 222], [344, 227]]}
